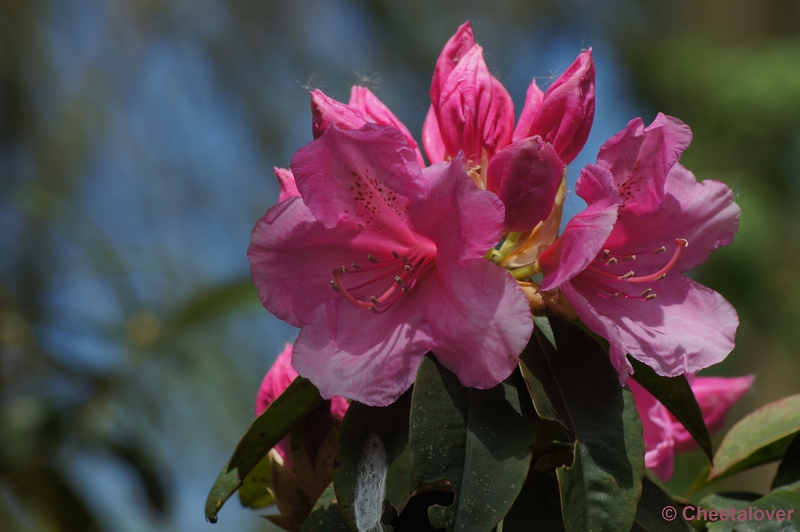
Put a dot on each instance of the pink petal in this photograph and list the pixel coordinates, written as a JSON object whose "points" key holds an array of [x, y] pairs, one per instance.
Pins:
{"points": [[362, 99], [286, 181], [456, 47], [480, 319], [716, 396], [702, 213], [292, 256], [474, 111], [640, 159], [565, 115], [586, 232], [277, 379], [368, 178], [657, 432], [525, 175], [533, 100], [432, 138], [686, 328], [325, 111], [370, 358], [463, 221]]}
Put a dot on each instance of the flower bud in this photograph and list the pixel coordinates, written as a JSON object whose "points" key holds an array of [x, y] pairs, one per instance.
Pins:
{"points": [[563, 115]]}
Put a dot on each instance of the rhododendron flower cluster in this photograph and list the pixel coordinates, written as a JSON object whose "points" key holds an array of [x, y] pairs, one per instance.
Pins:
{"points": [[416, 273], [378, 258], [665, 436]]}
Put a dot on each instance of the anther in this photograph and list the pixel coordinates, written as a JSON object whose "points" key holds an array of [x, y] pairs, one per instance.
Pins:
{"points": [[395, 255], [612, 261], [334, 285], [617, 294], [374, 300], [650, 297], [407, 267], [661, 278], [372, 309], [404, 290], [345, 270], [627, 276], [371, 258], [354, 265], [605, 253], [629, 257], [398, 280], [662, 249], [643, 294], [405, 259]]}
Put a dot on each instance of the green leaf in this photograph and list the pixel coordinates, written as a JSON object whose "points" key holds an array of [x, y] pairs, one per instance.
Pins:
{"points": [[539, 503], [254, 492], [291, 406], [326, 516], [390, 424], [650, 514], [676, 395], [761, 437], [723, 501], [770, 505], [788, 474], [479, 440], [577, 386]]}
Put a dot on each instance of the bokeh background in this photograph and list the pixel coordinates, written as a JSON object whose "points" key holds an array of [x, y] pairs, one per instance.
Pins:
{"points": [[137, 139]]}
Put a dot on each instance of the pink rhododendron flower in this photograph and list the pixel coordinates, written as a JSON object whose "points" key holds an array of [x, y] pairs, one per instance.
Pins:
{"points": [[364, 107], [563, 115], [665, 436], [379, 262], [319, 421], [619, 262], [472, 112]]}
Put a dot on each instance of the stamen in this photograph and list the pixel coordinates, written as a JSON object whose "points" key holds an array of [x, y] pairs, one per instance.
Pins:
{"points": [[650, 297], [630, 257], [660, 274], [373, 259], [405, 259], [662, 249], [646, 292], [345, 270], [372, 309], [407, 267], [398, 280], [612, 261], [617, 294], [374, 300], [605, 253], [354, 265], [395, 255], [334, 285]]}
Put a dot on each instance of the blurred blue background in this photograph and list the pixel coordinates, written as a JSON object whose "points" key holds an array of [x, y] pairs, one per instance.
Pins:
{"points": [[137, 140]]}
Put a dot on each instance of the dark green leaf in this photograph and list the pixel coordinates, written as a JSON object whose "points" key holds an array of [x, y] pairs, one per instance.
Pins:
{"points": [[761, 437], [479, 440], [788, 475], [390, 424], [291, 406], [650, 514], [253, 494], [542, 325], [676, 395], [539, 503], [722, 501], [768, 507], [326, 516], [577, 386]]}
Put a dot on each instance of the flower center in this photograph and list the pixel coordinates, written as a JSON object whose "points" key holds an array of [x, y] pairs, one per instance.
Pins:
{"points": [[606, 282], [391, 277]]}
